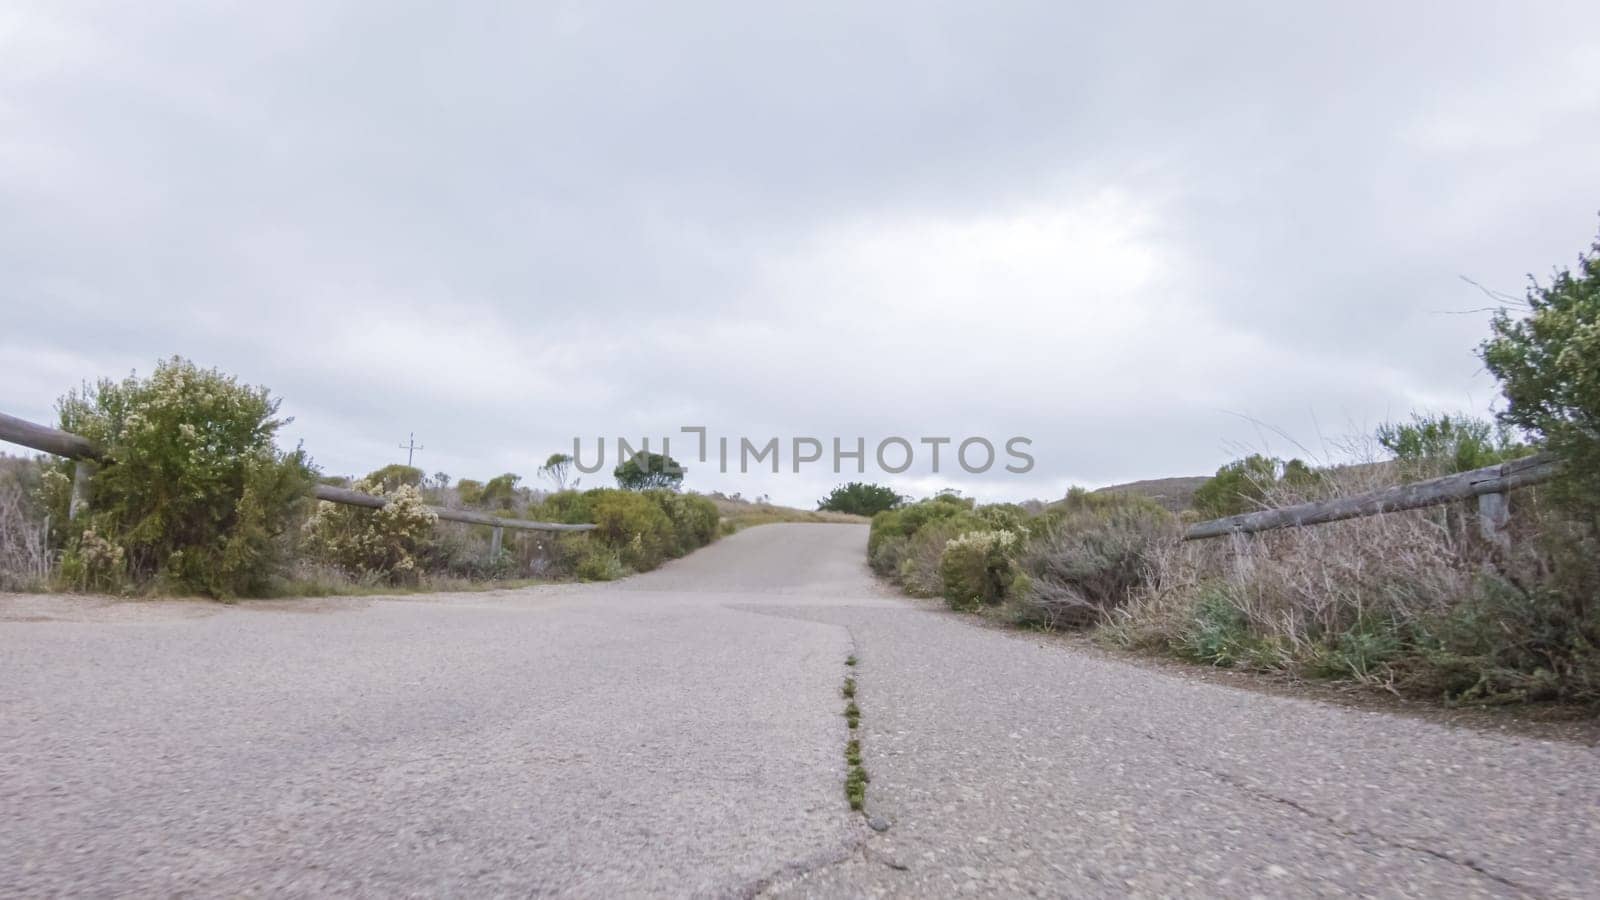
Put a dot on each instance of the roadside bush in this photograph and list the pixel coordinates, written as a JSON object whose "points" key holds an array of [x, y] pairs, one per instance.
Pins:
{"points": [[633, 525], [387, 544], [599, 563], [195, 493], [976, 567], [906, 521], [694, 519], [1093, 555]]}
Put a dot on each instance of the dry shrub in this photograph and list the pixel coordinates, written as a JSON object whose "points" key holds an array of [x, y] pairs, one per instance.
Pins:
{"points": [[24, 545], [1091, 558], [1416, 601]]}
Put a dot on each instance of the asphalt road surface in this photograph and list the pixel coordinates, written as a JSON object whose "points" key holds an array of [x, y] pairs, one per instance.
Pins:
{"points": [[681, 733]]}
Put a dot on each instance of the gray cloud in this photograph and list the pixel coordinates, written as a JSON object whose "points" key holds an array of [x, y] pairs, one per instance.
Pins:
{"points": [[1125, 234]]}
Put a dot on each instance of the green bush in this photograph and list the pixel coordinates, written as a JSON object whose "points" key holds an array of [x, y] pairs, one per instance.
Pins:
{"points": [[1428, 446], [1218, 632], [694, 519], [599, 563], [392, 476], [976, 568], [470, 492], [387, 543], [638, 529], [905, 522], [499, 493], [1548, 363], [633, 525], [195, 493], [1242, 485], [860, 498], [569, 507]]}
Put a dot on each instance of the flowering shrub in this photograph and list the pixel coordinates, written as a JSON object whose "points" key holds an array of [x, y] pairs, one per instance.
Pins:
{"points": [[384, 543], [195, 492], [976, 567]]}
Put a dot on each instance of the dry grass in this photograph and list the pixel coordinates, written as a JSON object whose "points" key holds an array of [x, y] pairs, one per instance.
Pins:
{"points": [[25, 559], [1415, 602], [737, 514]]}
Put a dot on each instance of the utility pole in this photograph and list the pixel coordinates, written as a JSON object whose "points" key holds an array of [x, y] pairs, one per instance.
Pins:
{"points": [[411, 447]]}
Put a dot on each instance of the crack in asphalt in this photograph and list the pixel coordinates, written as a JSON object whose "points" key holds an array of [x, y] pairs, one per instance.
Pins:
{"points": [[1358, 834]]}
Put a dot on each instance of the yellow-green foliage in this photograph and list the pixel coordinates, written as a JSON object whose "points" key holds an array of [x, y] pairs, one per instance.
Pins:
{"points": [[1242, 485], [196, 494], [911, 545], [976, 568], [385, 543], [395, 474], [638, 529]]}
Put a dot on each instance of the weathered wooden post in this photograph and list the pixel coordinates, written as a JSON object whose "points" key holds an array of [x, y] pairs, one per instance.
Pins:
{"points": [[1494, 515], [495, 541], [81, 473]]}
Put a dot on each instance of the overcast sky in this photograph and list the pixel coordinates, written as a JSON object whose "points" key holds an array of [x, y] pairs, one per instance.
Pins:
{"points": [[1128, 235]]}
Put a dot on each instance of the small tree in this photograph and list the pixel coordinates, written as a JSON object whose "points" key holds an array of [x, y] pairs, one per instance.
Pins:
{"points": [[645, 470], [1548, 363], [557, 468], [861, 499]]}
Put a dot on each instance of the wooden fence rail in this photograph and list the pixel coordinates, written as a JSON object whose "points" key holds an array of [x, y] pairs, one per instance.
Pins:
{"points": [[1489, 484], [72, 446]]}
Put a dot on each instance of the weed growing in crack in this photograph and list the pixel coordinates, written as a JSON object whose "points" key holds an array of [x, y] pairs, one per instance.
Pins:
{"points": [[850, 660], [855, 779], [855, 787]]}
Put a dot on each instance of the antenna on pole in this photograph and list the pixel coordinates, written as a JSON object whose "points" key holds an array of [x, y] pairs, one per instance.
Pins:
{"points": [[411, 447]]}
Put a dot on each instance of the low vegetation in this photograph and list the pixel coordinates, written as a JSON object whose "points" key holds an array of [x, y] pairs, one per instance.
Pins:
{"points": [[1418, 602], [194, 497]]}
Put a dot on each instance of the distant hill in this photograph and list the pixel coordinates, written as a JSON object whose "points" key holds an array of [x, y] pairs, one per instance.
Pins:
{"points": [[1176, 494]]}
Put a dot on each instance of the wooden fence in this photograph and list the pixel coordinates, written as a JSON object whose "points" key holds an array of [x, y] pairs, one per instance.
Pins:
{"points": [[1490, 485], [77, 447]]}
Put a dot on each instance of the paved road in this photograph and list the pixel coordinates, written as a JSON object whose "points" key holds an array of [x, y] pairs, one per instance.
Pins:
{"points": [[680, 733]]}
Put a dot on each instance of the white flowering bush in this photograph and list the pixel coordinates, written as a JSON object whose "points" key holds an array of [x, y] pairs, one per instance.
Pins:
{"points": [[386, 543], [977, 566], [194, 493]]}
